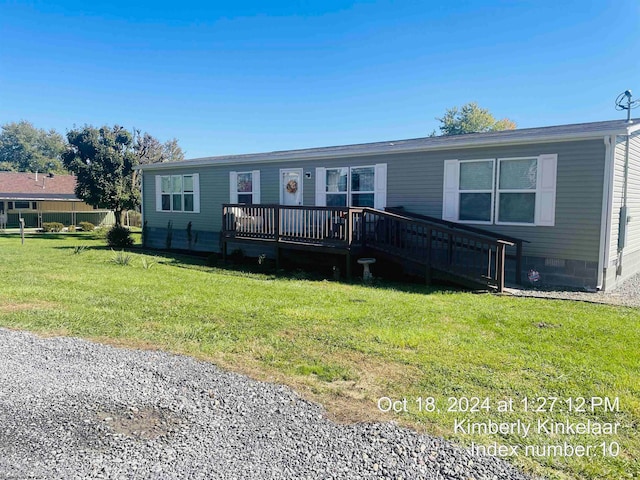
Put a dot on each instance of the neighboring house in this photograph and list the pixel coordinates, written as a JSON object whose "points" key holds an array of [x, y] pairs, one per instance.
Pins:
{"points": [[572, 192], [40, 198]]}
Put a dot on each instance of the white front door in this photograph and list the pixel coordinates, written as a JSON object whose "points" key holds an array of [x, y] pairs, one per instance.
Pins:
{"points": [[291, 186]]}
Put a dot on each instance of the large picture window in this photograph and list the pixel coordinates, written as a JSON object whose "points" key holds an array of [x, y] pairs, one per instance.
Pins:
{"points": [[178, 193], [504, 191]]}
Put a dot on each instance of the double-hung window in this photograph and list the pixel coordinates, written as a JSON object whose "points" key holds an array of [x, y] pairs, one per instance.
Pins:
{"points": [[476, 191], [517, 182], [336, 186], [244, 187], [363, 186], [178, 193], [352, 186], [502, 191]]}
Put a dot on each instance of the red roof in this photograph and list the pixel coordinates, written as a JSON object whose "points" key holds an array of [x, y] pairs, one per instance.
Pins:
{"points": [[24, 186]]}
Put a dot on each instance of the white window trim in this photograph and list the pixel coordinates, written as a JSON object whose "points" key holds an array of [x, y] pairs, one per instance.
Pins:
{"points": [[511, 190], [379, 185], [345, 193], [545, 201], [196, 193], [255, 186], [362, 192], [492, 191]]}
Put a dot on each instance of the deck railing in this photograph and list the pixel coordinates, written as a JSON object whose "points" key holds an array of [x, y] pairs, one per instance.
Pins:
{"points": [[313, 225], [472, 257], [437, 248], [514, 253]]}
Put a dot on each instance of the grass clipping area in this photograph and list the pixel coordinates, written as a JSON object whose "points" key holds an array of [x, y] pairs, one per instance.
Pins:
{"points": [[447, 363]]}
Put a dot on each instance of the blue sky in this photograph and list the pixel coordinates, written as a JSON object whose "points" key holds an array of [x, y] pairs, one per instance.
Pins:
{"points": [[241, 77]]}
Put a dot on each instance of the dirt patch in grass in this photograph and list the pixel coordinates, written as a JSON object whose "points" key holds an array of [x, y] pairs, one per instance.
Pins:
{"points": [[345, 401], [11, 307], [22, 306]]}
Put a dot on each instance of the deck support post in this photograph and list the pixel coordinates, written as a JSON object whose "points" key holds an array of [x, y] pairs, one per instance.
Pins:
{"points": [[518, 262], [348, 269], [500, 248], [276, 221], [427, 276]]}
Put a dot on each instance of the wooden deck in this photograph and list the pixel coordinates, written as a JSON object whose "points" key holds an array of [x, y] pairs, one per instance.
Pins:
{"points": [[436, 250]]}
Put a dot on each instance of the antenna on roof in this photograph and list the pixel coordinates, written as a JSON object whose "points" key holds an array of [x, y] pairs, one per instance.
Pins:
{"points": [[627, 105]]}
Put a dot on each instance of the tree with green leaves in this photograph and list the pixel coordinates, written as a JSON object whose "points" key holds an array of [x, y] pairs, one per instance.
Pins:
{"points": [[103, 161], [25, 148], [471, 118], [150, 150]]}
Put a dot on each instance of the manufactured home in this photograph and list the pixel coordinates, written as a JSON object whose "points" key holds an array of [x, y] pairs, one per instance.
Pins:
{"points": [[41, 198], [556, 205]]}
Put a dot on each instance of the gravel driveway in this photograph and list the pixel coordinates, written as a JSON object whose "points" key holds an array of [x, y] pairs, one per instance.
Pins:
{"points": [[72, 409], [627, 294]]}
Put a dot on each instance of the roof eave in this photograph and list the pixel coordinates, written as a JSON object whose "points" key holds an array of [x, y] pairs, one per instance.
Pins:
{"points": [[299, 155], [17, 196]]}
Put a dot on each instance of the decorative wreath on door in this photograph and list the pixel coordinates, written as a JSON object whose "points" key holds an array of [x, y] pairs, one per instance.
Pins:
{"points": [[292, 186]]}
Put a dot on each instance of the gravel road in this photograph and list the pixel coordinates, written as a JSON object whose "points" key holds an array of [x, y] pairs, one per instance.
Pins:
{"points": [[72, 409]]}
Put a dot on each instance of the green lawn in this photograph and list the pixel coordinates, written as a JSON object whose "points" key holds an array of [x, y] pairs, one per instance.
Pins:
{"points": [[348, 345]]}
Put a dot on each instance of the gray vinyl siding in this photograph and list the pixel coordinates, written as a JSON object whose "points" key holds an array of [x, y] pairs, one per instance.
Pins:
{"points": [[415, 182], [633, 234], [632, 248], [214, 191], [579, 190], [618, 175]]}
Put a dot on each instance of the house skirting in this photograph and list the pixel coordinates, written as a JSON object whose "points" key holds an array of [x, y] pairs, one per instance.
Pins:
{"points": [[179, 239], [552, 272], [557, 272]]}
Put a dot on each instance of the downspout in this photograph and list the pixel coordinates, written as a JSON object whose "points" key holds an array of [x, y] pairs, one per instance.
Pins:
{"points": [[605, 218]]}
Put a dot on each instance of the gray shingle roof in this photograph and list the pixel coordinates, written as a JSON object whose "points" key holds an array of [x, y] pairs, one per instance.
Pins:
{"points": [[570, 132]]}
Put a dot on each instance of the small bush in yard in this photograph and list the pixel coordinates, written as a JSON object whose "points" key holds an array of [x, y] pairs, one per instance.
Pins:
{"points": [[71, 228], [87, 226], [52, 226], [78, 249], [147, 264], [121, 258], [119, 236]]}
